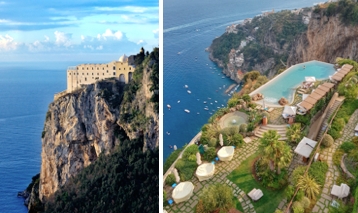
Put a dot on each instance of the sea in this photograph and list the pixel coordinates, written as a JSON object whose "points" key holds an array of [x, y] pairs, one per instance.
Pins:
{"points": [[190, 26], [26, 90]]}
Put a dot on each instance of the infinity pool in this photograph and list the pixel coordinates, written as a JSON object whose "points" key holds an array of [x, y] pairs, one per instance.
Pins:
{"points": [[284, 84]]}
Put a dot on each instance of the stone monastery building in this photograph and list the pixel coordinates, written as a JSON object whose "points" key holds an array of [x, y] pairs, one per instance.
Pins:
{"points": [[90, 73]]}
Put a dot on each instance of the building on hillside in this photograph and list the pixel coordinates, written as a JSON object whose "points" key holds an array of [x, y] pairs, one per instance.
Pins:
{"points": [[84, 74]]}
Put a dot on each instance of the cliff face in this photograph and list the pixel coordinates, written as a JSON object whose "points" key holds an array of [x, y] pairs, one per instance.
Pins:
{"points": [[326, 39], [82, 125], [78, 128]]}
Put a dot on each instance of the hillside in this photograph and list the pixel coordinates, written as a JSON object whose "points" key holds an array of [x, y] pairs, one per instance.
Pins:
{"points": [[274, 41], [109, 128]]}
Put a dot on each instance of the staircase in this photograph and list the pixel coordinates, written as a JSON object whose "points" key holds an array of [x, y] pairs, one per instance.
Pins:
{"points": [[281, 130], [330, 112]]}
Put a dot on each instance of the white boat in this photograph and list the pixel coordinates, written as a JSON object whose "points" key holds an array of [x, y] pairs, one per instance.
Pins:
{"points": [[186, 110], [189, 91], [204, 102], [178, 101], [216, 101], [206, 108], [169, 106], [186, 86]]}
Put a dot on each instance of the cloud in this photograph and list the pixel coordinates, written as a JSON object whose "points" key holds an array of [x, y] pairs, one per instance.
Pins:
{"points": [[63, 39], [7, 43], [109, 34], [110, 41]]}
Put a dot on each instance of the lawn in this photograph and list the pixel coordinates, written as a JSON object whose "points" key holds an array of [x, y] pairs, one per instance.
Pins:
{"points": [[243, 178]]}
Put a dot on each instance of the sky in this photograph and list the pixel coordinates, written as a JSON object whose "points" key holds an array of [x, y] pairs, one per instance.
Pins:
{"points": [[76, 30]]}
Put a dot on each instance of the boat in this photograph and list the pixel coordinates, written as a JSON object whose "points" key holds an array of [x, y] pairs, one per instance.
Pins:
{"points": [[178, 101], [204, 102], [223, 77], [218, 107], [189, 91], [186, 86], [186, 110], [178, 53], [211, 103], [169, 106], [216, 101], [210, 113], [206, 108]]}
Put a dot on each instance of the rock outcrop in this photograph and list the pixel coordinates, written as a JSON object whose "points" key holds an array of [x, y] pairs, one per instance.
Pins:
{"points": [[85, 124], [325, 39]]}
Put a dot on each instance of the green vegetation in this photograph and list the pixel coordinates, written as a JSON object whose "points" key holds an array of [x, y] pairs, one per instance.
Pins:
{"points": [[309, 186], [278, 29], [327, 140], [222, 46], [347, 10], [186, 166], [294, 133], [110, 182], [342, 117], [243, 177], [130, 113], [170, 180], [209, 154], [215, 197], [172, 157], [275, 154]]}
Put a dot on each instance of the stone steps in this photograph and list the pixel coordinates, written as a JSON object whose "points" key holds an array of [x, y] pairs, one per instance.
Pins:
{"points": [[281, 130]]}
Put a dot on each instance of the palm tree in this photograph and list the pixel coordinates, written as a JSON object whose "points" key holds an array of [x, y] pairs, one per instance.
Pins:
{"points": [[293, 133], [276, 153], [309, 186]]}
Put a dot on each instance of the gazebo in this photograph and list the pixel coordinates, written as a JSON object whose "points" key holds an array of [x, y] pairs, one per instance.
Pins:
{"points": [[305, 147], [289, 111]]}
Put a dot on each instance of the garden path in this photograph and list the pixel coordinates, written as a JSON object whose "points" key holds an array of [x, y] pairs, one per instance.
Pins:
{"points": [[323, 203], [223, 169]]}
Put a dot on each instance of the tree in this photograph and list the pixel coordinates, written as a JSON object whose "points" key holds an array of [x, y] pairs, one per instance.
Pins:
{"points": [[276, 153], [309, 186], [293, 133], [218, 196]]}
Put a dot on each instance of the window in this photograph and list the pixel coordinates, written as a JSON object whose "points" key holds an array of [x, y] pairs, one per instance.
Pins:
{"points": [[87, 73], [87, 68], [129, 68], [119, 68], [70, 73], [97, 68], [107, 71], [83, 68], [103, 73], [103, 68], [97, 73], [124, 68], [85, 79], [114, 68], [92, 73], [92, 68], [114, 73]]}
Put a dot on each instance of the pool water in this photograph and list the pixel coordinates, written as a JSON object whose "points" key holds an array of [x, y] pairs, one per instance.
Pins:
{"points": [[285, 84]]}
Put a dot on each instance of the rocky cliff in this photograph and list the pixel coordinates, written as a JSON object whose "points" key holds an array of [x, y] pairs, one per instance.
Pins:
{"points": [[87, 123], [325, 39]]}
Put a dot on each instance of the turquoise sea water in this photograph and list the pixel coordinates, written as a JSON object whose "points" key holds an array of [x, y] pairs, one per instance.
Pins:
{"points": [[189, 28], [285, 84]]}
